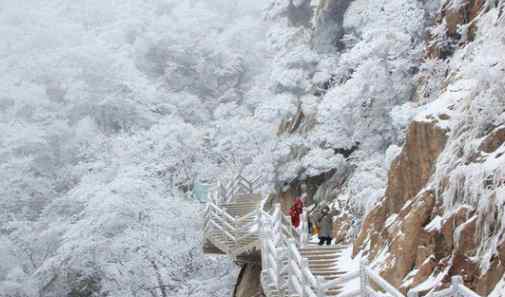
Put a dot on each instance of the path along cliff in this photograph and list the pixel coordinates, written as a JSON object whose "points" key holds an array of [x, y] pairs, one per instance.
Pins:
{"points": [[442, 211]]}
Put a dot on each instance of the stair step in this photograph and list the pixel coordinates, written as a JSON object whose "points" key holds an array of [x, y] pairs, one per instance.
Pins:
{"points": [[327, 273], [323, 260], [324, 269], [327, 255], [312, 253], [316, 250], [321, 266], [314, 246]]}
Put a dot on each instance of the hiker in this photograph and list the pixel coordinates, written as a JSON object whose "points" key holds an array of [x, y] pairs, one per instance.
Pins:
{"points": [[325, 225], [295, 211], [312, 228]]}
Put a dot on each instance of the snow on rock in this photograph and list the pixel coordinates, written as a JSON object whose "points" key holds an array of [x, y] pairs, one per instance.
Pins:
{"points": [[460, 231]]}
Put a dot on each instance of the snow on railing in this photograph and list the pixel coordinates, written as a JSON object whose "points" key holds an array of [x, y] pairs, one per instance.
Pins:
{"points": [[239, 232], [231, 234], [272, 253], [367, 276], [456, 289], [287, 272], [302, 282], [224, 192], [284, 269]]}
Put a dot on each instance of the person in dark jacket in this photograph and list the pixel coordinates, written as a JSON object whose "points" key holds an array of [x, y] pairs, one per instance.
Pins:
{"points": [[325, 225]]}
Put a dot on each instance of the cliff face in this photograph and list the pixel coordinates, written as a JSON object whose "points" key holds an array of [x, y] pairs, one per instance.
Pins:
{"points": [[248, 282], [442, 212], [401, 129], [409, 173], [422, 231]]}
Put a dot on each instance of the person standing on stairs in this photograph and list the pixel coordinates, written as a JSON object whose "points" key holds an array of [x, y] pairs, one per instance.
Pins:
{"points": [[296, 211], [325, 225]]}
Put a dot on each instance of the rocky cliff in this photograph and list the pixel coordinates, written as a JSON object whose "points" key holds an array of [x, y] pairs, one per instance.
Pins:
{"points": [[442, 211], [248, 282], [402, 130], [427, 227]]}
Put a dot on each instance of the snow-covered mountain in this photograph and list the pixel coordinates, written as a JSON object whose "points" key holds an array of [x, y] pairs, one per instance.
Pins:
{"points": [[110, 111]]}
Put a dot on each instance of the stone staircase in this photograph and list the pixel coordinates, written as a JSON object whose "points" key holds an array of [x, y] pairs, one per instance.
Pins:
{"points": [[292, 266], [322, 262]]}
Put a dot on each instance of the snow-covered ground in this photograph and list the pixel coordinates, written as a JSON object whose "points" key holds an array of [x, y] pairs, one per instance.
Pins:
{"points": [[348, 264]]}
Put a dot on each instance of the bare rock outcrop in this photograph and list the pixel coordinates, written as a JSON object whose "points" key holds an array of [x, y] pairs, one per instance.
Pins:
{"points": [[341, 226], [394, 228], [410, 233], [409, 173], [249, 282], [455, 16], [412, 169], [494, 140]]}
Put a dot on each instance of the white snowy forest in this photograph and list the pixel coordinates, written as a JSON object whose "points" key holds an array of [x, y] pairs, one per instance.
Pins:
{"points": [[110, 110]]}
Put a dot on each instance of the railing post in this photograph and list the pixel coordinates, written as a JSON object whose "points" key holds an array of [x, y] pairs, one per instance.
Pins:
{"points": [[236, 228], [277, 219], [277, 209], [304, 264], [320, 292], [264, 235], [363, 277], [456, 282], [278, 271], [291, 274], [304, 230]]}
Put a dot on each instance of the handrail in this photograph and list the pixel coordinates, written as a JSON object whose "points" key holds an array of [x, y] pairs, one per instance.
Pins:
{"points": [[353, 293], [250, 215], [284, 269], [381, 282], [280, 239], [239, 234], [222, 230], [457, 288], [226, 191], [302, 281], [222, 212], [339, 281], [222, 219]]}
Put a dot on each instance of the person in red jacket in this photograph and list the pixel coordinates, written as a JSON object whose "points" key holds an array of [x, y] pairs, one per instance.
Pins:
{"points": [[295, 211]]}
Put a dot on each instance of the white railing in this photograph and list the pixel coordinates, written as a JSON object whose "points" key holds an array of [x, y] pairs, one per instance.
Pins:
{"points": [[284, 269], [302, 282], [456, 289], [239, 234], [273, 253], [287, 272], [366, 276], [225, 191]]}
